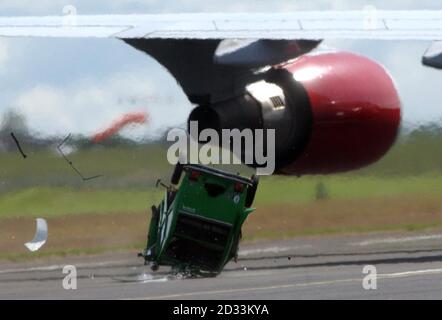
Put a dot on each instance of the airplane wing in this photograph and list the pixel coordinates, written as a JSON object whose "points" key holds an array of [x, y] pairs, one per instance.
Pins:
{"points": [[306, 25], [433, 55], [213, 55]]}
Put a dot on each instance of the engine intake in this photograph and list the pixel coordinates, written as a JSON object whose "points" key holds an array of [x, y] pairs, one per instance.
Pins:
{"points": [[279, 102]]}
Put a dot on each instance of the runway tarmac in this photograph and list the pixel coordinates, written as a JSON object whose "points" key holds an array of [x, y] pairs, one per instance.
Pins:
{"points": [[408, 265]]}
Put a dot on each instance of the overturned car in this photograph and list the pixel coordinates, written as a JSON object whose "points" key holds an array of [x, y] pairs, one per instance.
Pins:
{"points": [[196, 229]]}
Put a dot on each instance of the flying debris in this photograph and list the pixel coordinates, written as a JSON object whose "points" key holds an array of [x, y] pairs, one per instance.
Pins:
{"points": [[141, 278], [18, 145], [71, 163], [41, 236], [120, 123]]}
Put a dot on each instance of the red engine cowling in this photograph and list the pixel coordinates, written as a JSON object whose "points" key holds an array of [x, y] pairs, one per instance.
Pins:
{"points": [[356, 112], [331, 112]]}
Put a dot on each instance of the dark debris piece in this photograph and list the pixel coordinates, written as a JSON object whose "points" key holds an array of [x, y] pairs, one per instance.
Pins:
{"points": [[71, 163], [17, 143]]}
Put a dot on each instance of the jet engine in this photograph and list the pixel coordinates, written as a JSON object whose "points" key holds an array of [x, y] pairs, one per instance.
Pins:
{"points": [[331, 112]]}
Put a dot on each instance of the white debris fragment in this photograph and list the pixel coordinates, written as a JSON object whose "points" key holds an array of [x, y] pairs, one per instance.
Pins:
{"points": [[41, 236], [141, 278]]}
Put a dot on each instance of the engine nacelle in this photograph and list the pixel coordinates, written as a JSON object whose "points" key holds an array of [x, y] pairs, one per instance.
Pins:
{"points": [[331, 112]]}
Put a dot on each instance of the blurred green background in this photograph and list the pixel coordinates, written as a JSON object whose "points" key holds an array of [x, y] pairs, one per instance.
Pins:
{"points": [[44, 185], [403, 191]]}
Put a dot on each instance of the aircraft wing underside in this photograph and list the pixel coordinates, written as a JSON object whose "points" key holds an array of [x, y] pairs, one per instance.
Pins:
{"points": [[214, 55]]}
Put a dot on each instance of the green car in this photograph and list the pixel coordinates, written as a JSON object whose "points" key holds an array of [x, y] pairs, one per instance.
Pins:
{"points": [[196, 228]]}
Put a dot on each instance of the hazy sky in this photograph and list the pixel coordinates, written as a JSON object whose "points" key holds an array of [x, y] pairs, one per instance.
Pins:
{"points": [[75, 85]]}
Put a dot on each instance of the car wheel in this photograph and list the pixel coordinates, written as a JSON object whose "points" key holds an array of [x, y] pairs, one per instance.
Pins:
{"points": [[176, 176], [154, 266], [251, 191]]}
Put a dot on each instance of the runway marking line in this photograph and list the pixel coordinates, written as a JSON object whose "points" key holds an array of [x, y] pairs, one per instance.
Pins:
{"points": [[60, 266], [294, 285], [285, 286], [271, 250], [409, 273], [396, 240]]}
